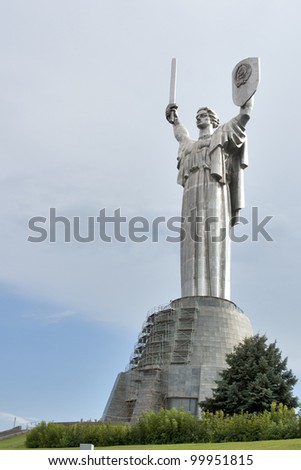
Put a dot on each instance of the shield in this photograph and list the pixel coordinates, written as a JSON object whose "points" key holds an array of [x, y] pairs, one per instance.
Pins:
{"points": [[245, 80]]}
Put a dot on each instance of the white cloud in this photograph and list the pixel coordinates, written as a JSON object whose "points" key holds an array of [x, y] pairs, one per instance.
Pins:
{"points": [[49, 317]]}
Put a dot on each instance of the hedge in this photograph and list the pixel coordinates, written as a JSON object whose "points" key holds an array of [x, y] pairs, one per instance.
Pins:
{"points": [[172, 427]]}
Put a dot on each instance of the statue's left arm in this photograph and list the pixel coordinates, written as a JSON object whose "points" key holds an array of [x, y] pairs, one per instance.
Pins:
{"points": [[239, 158], [245, 112]]}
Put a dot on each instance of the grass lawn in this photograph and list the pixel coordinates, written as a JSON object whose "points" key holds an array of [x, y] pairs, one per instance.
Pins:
{"points": [[18, 443], [13, 443], [287, 444]]}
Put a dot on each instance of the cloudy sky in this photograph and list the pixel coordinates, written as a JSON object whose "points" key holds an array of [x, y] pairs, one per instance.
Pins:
{"points": [[83, 88]]}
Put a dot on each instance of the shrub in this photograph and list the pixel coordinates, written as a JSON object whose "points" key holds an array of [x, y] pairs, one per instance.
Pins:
{"points": [[172, 427], [46, 436]]}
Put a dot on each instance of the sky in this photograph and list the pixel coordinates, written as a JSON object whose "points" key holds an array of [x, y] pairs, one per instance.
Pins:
{"points": [[83, 89]]}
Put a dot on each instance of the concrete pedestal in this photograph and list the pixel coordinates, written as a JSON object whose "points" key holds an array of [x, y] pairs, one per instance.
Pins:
{"points": [[178, 357]]}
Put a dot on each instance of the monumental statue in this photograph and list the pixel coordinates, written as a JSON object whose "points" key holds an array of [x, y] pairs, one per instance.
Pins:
{"points": [[211, 172], [183, 345]]}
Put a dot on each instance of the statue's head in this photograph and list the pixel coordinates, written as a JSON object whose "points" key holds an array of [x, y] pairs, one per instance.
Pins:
{"points": [[213, 117]]}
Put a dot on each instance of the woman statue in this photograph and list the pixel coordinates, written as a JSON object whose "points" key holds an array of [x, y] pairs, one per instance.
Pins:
{"points": [[211, 172]]}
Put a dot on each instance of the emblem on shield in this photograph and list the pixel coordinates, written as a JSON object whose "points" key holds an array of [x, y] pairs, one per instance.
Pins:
{"points": [[245, 80]]}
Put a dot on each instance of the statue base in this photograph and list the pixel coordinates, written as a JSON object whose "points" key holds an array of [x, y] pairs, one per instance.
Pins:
{"points": [[180, 351]]}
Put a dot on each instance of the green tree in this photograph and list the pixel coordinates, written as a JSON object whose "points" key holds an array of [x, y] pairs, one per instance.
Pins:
{"points": [[256, 377]]}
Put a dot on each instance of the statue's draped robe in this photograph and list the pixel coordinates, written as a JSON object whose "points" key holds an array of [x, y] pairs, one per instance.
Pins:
{"points": [[211, 172]]}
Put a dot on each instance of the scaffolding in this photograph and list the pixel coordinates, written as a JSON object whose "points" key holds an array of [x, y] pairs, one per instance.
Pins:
{"points": [[142, 384], [142, 341], [153, 345], [183, 337], [166, 338]]}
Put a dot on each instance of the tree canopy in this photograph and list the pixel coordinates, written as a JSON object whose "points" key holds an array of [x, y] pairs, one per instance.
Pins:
{"points": [[256, 377]]}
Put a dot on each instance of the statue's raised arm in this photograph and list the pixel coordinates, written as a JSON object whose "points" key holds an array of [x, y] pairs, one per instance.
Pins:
{"points": [[246, 111]]}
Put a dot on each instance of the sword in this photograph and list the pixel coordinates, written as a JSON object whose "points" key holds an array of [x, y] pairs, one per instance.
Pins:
{"points": [[172, 88]]}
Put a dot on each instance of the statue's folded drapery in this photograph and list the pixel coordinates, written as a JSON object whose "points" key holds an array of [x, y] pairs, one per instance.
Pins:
{"points": [[211, 172]]}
